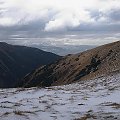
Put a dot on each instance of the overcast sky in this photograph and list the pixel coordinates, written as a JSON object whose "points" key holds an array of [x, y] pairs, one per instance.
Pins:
{"points": [[59, 22]]}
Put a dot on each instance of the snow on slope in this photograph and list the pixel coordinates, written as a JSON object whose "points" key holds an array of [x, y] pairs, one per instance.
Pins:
{"points": [[86, 100]]}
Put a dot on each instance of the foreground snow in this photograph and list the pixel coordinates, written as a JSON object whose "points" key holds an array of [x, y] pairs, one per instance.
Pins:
{"points": [[94, 99]]}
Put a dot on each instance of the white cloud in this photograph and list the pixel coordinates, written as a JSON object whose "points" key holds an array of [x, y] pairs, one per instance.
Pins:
{"points": [[6, 21], [68, 19], [57, 14]]}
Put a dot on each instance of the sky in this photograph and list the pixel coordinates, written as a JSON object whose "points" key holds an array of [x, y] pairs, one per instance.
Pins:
{"points": [[59, 22]]}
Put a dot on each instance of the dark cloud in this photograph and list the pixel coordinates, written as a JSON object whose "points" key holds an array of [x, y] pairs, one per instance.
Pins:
{"points": [[114, 15]]}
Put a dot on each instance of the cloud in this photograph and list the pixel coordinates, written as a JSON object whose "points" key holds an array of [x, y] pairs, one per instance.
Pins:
{"points": [[114, 15], [60, 15], [68, 19]]}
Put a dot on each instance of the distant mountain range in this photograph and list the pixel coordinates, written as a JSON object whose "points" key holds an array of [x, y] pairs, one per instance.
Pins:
{"points": [[71, 68], [65, 49], [17, 61]]}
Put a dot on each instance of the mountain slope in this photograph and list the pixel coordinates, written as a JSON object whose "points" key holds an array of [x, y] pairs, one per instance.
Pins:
{"points": [[17, 61], [86, 65], [96, 99]]}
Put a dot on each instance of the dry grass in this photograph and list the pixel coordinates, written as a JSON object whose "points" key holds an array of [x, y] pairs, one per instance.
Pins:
{"points": [[114, 105], [85, 117], [18, 112]]}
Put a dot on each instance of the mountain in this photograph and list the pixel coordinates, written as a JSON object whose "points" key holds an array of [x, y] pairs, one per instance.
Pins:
{"points": [[17, 61], [65, 49], [71, 68]]}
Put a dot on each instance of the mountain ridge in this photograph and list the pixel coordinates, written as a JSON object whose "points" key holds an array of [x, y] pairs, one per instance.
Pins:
{"points": [[16, 61], [82, 66]]}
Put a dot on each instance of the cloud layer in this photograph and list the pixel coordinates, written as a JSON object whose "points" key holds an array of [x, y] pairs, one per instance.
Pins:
{"points": [[61, 15]]}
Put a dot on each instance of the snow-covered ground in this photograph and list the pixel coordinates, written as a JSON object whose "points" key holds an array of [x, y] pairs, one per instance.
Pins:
{"points": [[86, 100]]}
